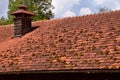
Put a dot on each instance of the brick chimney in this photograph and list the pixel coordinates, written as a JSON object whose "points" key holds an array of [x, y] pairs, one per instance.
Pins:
{"points": [[22, 21]]}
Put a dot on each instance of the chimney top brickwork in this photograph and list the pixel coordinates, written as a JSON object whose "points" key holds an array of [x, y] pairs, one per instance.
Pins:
{"points": [[22, 21]]}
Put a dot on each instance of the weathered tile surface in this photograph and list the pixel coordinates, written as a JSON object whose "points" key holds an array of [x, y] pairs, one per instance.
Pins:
{"points": [[87, 42]]}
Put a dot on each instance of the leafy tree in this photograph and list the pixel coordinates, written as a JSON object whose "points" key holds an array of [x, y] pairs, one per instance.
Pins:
{"points": [[13, 4], [104, 9], [41, 8], [2, 20]]}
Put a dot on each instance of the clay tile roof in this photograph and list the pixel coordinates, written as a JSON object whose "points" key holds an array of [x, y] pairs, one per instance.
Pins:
{"points": [[83, 42]]}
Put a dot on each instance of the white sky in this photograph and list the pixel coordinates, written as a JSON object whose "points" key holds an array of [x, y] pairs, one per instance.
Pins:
{"points": [[66, 8]]}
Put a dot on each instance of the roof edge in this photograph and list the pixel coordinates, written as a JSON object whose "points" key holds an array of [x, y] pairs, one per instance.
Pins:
{"points": [[94, 14], [87, 71], [79, 16]]}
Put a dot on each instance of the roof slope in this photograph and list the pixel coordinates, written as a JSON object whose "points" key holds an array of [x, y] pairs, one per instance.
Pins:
{"points": [[86, 42], [5, 33]]}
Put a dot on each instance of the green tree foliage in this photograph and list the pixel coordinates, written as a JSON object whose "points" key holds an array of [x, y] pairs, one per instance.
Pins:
{"points": [[13, 4], [104, 9], [41, 8], [2, 21]]}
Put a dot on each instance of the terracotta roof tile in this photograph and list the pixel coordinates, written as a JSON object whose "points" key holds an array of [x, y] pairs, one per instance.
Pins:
{"points": [[85, 42]]}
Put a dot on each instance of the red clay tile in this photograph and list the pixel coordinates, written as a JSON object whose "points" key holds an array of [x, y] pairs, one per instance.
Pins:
{"points": [[85, 42]]}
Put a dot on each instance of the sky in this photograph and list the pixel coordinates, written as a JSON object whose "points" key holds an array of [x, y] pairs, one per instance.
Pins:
{"points": [[66, 8]]}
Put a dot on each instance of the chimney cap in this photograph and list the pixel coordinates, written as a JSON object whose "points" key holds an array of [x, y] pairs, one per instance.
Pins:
{"points": [[22, 10], [22, 7]]}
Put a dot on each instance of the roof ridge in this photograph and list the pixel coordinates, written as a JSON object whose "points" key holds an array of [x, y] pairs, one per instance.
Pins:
{"points": [[80, 16], [95, 14]]}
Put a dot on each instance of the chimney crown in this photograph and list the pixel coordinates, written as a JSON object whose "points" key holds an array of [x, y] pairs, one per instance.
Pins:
{"points": [[22, 7], [23, 11]]}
